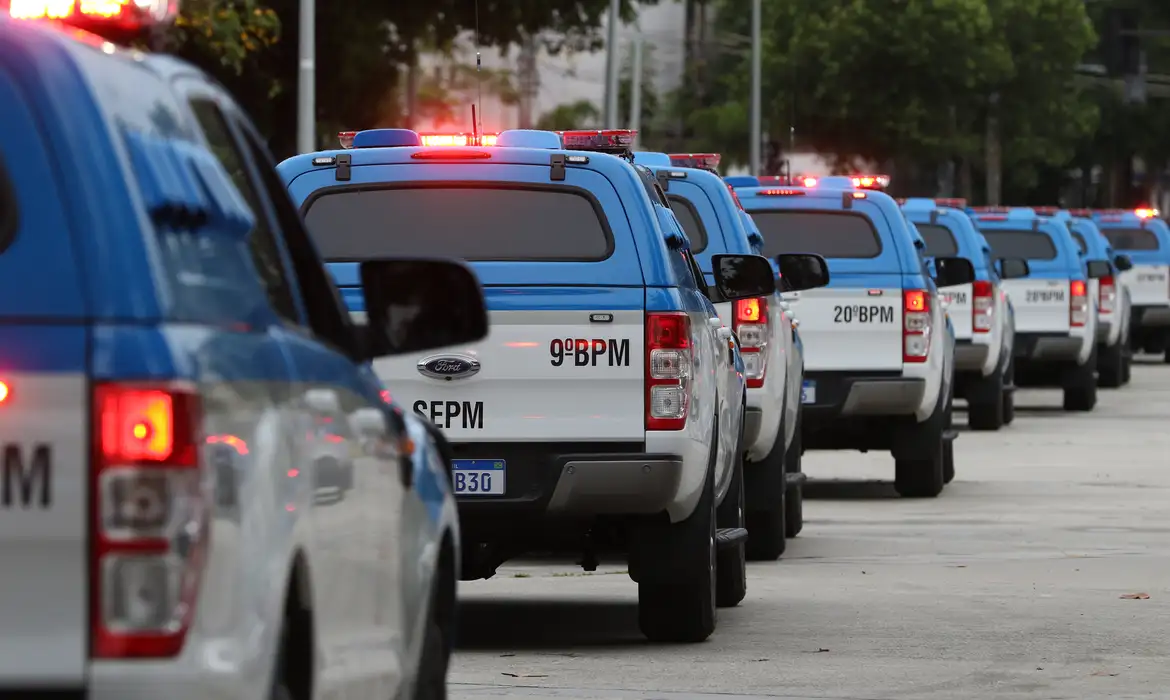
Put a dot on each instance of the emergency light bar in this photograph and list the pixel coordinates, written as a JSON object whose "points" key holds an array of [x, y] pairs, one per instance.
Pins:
{"points": [[702, 161], [1081, 213], [346, 138], [458, 139], [870, 182], [96, 15], [1146, 213], [991, 210], [957, 202], [1046, 211], [613, 141]]}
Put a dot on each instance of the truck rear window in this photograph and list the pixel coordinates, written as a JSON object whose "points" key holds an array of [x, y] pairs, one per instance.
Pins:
{"points": [[829, 234], [470, 222], [1131, 238], [1029, 245], [939, 240], [688, 218]]}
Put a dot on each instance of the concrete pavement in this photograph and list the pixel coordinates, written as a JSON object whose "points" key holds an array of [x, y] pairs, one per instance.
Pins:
{"points": [[1007, 586]]}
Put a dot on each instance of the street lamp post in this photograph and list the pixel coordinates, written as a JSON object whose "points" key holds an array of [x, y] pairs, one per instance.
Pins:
{"points": [[307, 79]]}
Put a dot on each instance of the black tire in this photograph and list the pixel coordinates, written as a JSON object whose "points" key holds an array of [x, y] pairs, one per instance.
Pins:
{"points": [[1166, 357], [1127, 368], [922, 476], [794, 492], [1009, 397], [1111, 366], [684, 611], [949, 445], [1080, 394], [731, 562], [766, 520], [987, 414], [432, 668], [280, 689]]}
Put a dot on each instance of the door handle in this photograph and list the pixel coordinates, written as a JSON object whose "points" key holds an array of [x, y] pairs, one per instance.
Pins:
{"points": [[715, 322]]}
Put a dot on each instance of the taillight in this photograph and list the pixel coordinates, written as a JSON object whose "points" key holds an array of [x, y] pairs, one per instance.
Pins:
{"points": [[1107, 294], [916, 325], [751, 325], [151, 516], [668, 370], [1078, 303], [982, 306]]}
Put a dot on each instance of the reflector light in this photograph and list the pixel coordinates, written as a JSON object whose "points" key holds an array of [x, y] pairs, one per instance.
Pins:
{"points": [[871, 182], [604, 141], [122, 14], [702, 161], [781, 193], [957, 202]]}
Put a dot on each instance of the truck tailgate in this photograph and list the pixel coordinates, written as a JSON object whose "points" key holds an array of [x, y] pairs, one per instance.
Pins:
{"points": [[1042, 305], [560, 364], [1149, 285], [850, 328], [44, 543], [959, 303]]}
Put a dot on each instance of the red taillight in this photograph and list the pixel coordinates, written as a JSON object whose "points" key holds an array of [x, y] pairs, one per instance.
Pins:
{"points": [[668, 370], [150, 518], [385, 394], [751, 325], [916, 325], [1078, 303], [780, 193], [982, 306], [1106, 294]]}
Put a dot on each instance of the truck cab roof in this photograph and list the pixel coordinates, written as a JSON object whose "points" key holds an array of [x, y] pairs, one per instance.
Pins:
{"points": [[949, 231], [1046, 243]]}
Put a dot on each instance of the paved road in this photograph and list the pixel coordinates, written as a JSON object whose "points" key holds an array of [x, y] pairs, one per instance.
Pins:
{"points": [[1008, 586]]}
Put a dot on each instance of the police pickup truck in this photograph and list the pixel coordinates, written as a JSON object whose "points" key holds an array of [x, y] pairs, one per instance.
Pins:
{"points": [[170, 344], [879, 351], [980, 310], [1107, 285], [604, 413], [1056, 318], [714, 221], [1145, 238]]}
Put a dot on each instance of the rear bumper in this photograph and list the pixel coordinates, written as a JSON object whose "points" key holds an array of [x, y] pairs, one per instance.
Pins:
{"points": [[1047, 347], [1151, 316], [970, 356], [843, 394]]}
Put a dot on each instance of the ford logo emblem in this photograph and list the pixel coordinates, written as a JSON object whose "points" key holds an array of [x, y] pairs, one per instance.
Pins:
{"points": [[448, 366]]}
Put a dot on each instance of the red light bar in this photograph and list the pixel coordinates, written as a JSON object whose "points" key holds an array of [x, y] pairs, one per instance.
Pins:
{"points": [[346, 138], [871, 182], [957, 202], [1082, 213], [1146, 213], [119, 14], [781, 193], [807, 181], [458, 139], [991, 210], [772, 180], [992, 217], [604, 141], [1046, 211], [702, 161]]}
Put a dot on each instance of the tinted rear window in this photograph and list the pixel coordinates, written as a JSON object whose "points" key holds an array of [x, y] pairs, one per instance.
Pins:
{"points": [[467, 222], [939, 240], [1131, 238], [688, 218], [1029, 245], [830, 234]]}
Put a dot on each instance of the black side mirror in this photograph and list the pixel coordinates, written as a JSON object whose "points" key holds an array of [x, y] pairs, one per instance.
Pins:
{"points": [[1098, 269], [950, 271], [800, 271], [1123, 262], [743, 276], [1013, 268], [420, 304]]}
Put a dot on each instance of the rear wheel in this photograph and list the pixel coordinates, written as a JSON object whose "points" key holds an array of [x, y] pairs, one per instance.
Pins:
{"points": [[987, 412], [766, 519], [1009, 394], [1111, 365], [794, 490], [1080, 393], [920, 473], [731, 562]]}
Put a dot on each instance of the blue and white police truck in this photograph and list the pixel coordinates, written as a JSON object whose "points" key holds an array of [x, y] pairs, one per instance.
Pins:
{"points": [[714, 221], [1145, 239], [879, 350], [979, 310], [604, 412], [171, 348], [1056, 317]]}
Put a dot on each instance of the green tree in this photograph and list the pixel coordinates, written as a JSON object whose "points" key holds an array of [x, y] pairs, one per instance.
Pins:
{"points": [[581, 114], [224, 37]]}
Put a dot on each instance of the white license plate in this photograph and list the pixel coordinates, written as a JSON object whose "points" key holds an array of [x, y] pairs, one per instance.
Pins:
{"points": [[479, 477], [808, 391]]}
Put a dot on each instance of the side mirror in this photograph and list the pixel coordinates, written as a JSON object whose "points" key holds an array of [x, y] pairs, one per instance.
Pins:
{"points": [[1098, 269], [799, 271], [949, 271], [1013, 268], [1123, 262], [743, 276], [420, 304]]}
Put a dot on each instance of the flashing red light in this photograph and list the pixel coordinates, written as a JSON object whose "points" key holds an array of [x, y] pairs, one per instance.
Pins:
{"points": [[957, 202], [702, 161], [5, 392], [346, 138], [451, 153], [603, 140], [458, 139], [1145, 213], [119, 14], [781, 193], [870, 182], [808, 181]]}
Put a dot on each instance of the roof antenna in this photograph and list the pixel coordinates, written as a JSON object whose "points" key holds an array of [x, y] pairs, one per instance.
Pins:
{"points": [[476, 123]]}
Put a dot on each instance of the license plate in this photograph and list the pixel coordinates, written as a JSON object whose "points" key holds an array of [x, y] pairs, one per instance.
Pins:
{"points": [[808, 391], [479, 477]]}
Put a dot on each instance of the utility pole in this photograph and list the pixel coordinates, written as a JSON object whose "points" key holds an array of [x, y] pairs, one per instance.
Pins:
{"points": [[636, 89], [993, 152], [756, 120], [307, 79], [611, 67], [529, 80]]}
